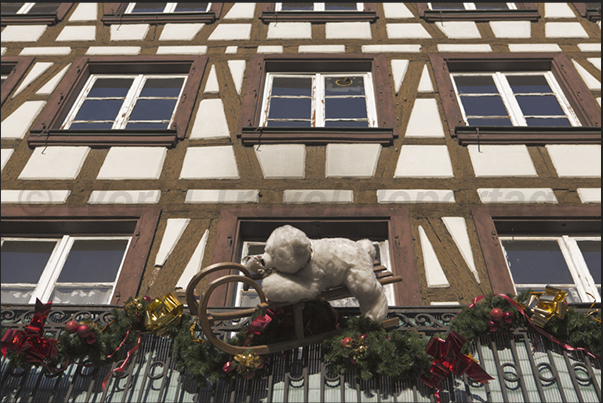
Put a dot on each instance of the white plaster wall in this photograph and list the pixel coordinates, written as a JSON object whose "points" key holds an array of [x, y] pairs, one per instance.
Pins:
{"points": [[424, 162], [425, 119], [180, 32], [112, 50], [591, 82], [576, 160], [270, 49], [173, 232], [312, 196], [210, 163], [51, 84], [457, 226], [396, 10], [194, 264], [425, 84], [231, 50], [124, 197], [5, 155], [459, 29], [447, 47], [22, 33], [182, 50], [237, 71], [17, 123], [240, 11], [590, 47], [352, 160], [406, 31], [46, 51], [36, 71], [402, 196], [558, 10], [534, 47], [290, 30], [391, 48], [511, 29], [34, 196], [133, 163], [210, 121], [84, 12], [217, 196], [129, 32], [279, 161], [348, 30], [77, 33], [433, 269], [589, 195], [517, 195], [212, 86], [321, 49], [399, 68], [231, 32], [564, 30], [501, 160], [55, 163]]}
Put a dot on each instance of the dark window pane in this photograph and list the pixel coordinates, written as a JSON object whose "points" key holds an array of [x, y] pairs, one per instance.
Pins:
{"points": [[91, 126], [341, 6], [188, 7], [529, 84], [153, 109], [490, 122], [342, 108], [539, 105], [24, 261], [344, 86], [447, 6], [110, 87], [548, 122], [162, 87], [292, 86], [149, 7], [290, 108], [484, 106], [297, 6], [537, 262], [96, 109], [10, 8], [44, 8], [289, 123], [350, 123], [147, 125], [475, 85], [93, 261], [491, 6], [591, 250]]}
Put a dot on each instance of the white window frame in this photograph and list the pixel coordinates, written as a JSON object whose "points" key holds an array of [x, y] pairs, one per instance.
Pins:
{"points": [[471, 6], [318, 96], [169, 8], [384, 255], [317, 8], [508, 97], [25, 8], [48, 279], [129, 101], [583, 280]]}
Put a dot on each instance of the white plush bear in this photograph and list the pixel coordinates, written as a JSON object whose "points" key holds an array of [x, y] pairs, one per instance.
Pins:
{"points": [[303, 268]]}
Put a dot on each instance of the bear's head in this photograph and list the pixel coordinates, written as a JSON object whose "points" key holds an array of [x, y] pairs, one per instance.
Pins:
{"points": [[288, 249]]}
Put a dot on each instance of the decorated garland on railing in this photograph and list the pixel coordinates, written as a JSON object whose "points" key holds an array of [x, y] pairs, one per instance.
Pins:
{"points": [[363, 348]]}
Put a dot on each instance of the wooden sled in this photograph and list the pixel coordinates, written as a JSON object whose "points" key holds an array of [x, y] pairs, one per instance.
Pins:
{"points": [[207, 319]]}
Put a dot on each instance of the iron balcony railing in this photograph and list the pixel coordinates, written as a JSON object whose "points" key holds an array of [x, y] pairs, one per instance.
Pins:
{"points": [[525, 367]]}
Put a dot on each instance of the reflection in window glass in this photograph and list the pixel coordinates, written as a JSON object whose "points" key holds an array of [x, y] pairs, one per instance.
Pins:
{"points": [[341, 6], [190, 7], [149, 8], [10, 8], [24, 261], [292, 86], [93, 260], [447, 6], [591, 251], [297, 6], [44, 8]]}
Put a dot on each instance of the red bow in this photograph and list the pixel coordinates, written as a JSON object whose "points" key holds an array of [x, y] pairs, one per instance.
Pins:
{"points": [[30, 342], [259, 323], [448, 358]]}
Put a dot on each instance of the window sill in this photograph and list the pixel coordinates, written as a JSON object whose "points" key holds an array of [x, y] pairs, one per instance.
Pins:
{"points": [[103, 138], [318, 16], [159, 18], [315, 135], [478, 15], [527, 135]]}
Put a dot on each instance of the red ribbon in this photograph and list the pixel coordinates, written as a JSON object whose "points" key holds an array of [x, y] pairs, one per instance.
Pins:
{"points": [[538, 329], [30, 342], [259, 323], [122, 367], [448, 358]]}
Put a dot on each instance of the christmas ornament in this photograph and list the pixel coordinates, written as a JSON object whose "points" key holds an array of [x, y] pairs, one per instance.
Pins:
{"points": [[163, 312], [492, 326], [345, 341], [496, 314], [545, 305], [83, 331], [508, 317], [71, 326]]}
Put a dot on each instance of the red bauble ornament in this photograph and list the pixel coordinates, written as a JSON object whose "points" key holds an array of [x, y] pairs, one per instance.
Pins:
{"points": [[496, 314], [228, 367], [71, 326], [492, 326], [83, 331], [249, 375], [508, 317], [363, 337], [345, 341], [147, 299], [91, 339]]}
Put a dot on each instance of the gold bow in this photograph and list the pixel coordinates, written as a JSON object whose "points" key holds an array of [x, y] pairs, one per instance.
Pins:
{"points": [[162, 312], [546, 304], [248, 362]]}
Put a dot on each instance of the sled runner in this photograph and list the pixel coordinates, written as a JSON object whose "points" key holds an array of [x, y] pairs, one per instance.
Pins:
{"points": [[208, 319]]}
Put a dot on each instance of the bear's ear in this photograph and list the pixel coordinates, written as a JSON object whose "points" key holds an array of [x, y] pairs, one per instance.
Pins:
{"points": [[301, 247]]}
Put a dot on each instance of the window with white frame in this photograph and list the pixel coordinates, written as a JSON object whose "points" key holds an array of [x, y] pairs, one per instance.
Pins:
{"points": [[319, 6], [572, 263], [29, 8], [141, 101], [319, 100], [512, 99], [69, 269], [472, 6], [134, 8], [247, 297]]}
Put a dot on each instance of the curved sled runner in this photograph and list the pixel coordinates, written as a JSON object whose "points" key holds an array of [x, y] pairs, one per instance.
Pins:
{"points": [[207, 319]]}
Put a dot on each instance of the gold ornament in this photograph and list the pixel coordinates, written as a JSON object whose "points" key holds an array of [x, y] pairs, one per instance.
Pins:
{"points": [[248, 362], [545, 305], [162, 312]]}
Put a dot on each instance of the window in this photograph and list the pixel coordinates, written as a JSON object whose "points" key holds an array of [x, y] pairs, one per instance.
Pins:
{"points": [[126, 102], [433, 12], [75, 255], [74, 270], [13, 70], [161, 13], [244, 230], [317, 99], [515, 99], [572, 263], [318, 12], [34, 13], [532, 246], [591, 11], [104, 101]]}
